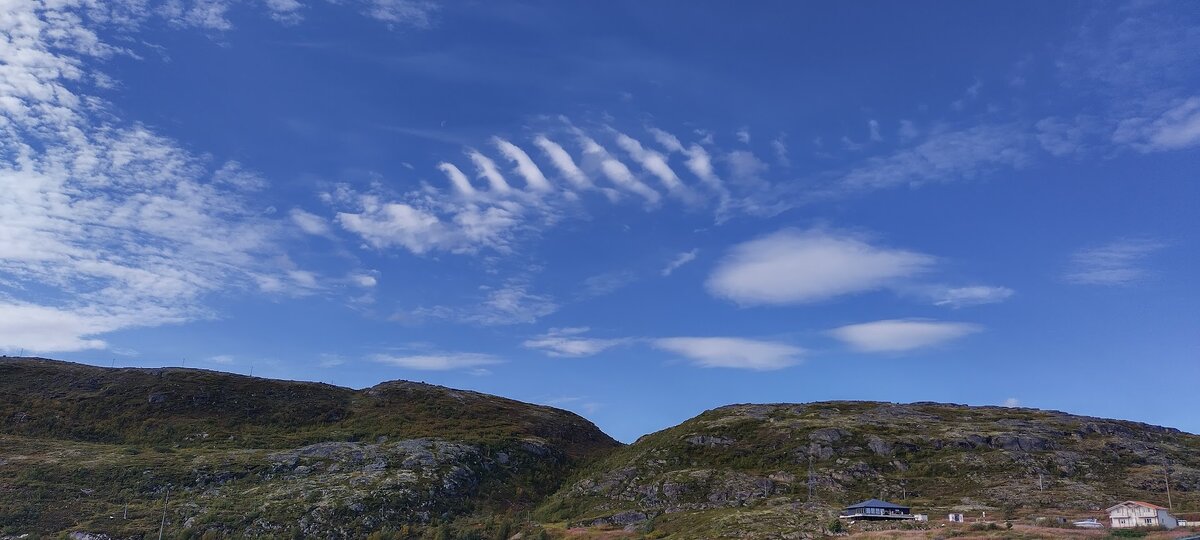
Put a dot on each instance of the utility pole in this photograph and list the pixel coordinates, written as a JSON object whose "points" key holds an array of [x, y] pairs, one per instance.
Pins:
{"points": [[810, 478], [1167, 476], [163, 525]]}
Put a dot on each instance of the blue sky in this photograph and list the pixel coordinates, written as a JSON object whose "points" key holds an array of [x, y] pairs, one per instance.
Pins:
{"points": [[636, 211]]}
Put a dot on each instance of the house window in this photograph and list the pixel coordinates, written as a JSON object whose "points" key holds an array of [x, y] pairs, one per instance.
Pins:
{"points": [[1148, 521]]}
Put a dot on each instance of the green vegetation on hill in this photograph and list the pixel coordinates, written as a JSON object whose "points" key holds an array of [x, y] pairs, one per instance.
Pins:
{"points": [[191, 407], [111, 451], [94, 449], [743, 470]]}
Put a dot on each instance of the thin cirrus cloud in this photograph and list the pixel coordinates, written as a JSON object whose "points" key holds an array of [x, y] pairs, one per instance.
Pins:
{"points": [[705, 352], [973, 295], [679, 260], [309, 223], [944, 156], [571, 342], [437, 361], [197, 225], [900, 335], [797, 267], [512, 303], [732, 352], [1175, 129], [1120, 262]]}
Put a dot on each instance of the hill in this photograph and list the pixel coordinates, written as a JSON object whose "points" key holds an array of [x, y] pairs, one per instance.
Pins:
{"points": [[111, 452], [97, 449], [742, 471]]}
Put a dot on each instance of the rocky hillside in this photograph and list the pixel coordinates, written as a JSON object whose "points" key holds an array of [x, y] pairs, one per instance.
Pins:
{"points": [[99, 450], [742, 471], [117, 453]]}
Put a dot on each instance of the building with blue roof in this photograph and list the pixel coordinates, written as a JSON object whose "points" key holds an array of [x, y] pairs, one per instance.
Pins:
{"points": [[876, 509]]}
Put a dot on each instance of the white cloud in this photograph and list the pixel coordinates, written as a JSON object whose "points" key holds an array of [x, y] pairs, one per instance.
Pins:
{"points": [[285, 11], [49, 329], [666, 140], [327, 360], [779, 145], [563, 162], [417, 13], [1012, 402], [943, 157], [569, 342], [1175, 129], [614, 170], [973, 90], [303, 278], [418, 228], [1121, 262], [427, 219], [656, 164], [119, 225], [365, 281], [699, 163], [898, 335], [207, 14], [607, 283], [577, 402], [970, 296], [437, 361], [730, 352], [387, 224], [512, 303], [458, 180], [488, 171], [795, 267], [223, 359], [528, 170], [743, 135], [680, 260], [873, 127], [309, 223], [746, 169], [1063, 137]]}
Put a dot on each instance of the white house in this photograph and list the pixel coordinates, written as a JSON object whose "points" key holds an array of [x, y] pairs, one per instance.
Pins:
{"points": [[1140, 514]]}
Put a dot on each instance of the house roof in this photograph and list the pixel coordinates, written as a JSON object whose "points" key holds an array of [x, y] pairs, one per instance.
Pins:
{"points": [[876, 503], [1136, 503]]}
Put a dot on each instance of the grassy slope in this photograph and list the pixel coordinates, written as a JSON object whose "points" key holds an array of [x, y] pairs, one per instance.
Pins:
{"points": [[191, 407], [739, 468], [78, 443]]}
